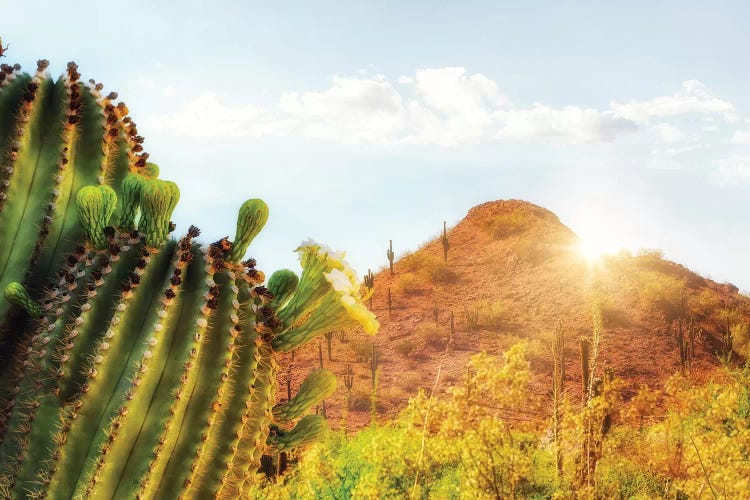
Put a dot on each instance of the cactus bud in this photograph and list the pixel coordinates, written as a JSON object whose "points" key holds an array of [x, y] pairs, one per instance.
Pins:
{"points": [[158, 201], [282, 285], [150, 171], [132, 185], [252, 217], [16, 294], [96, 204]]}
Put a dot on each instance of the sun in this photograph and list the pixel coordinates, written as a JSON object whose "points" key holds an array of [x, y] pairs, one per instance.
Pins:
{"points": [[594, 249]]}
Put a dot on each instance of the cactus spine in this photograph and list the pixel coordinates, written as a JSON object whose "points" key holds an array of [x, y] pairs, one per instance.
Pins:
{"points": [[134, 365]]}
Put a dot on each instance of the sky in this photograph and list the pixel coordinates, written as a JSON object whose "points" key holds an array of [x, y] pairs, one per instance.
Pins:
{"points": [[362, 122]]}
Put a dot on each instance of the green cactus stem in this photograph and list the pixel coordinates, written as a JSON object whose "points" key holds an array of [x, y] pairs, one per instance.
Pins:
{"points": [[317, 386], [134, 364]]}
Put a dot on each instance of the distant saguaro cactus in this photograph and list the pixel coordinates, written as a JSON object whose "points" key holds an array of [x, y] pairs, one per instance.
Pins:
{"points": [[349, 384], [446, 243], [391, 255], [329, 340], [369, 281], [390, 303]]}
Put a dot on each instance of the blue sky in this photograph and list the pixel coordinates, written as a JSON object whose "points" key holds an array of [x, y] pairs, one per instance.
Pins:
{"points": [[360, 122]]}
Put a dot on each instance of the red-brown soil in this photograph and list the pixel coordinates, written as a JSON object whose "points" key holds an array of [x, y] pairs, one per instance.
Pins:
{"points": [[536, 276]]}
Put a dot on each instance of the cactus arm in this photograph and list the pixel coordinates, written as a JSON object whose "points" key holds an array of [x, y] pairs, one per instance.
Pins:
{"points": [[309, 429], [225, 437], [124, 429], [148, 445], [107, 382], [317, 386], [31, 184]]}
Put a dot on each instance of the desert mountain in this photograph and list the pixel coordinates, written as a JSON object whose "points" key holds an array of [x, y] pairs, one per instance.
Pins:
{"points": [[513, 273]]}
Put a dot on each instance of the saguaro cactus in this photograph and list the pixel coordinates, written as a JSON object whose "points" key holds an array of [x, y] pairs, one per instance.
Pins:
{"points": [[134, 365], [446, 243], [391, 255]]}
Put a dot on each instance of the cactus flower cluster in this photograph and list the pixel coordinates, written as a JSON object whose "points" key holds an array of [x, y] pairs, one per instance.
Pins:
{"points": [[134, 364]]}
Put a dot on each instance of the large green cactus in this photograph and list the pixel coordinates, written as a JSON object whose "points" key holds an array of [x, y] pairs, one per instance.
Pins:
{"points": [[134, 365]]}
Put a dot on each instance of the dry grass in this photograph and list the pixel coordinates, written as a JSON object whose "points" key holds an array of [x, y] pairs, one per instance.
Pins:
{"points": [[432, 335], [409, 284], [508, 224], [406, 347]]}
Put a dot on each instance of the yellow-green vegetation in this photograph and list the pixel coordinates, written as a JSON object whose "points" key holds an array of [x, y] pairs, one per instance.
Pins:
{"points": [[509, 223], [478, 442], [662, 291], [484, 315]]}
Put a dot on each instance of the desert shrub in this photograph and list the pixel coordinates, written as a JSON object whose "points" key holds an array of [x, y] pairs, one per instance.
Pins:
{"points": [[360, 400], [705, 303], [741, 338], [415, 261], [406, 347], [409, 284], [484, 315], [429, 267], [362, 348], [438, 272], [509, 223], [662, 291], [432, 335], [619, 477]]}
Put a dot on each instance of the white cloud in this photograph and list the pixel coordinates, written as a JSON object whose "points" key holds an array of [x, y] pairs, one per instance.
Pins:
{"points": [[444, 106], [352, 110], [693, 97], [732, 170], [668, 133], [567, 124], [206, 116]]}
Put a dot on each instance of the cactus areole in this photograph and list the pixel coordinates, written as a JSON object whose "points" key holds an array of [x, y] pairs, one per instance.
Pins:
{"points": [[134, 364]]}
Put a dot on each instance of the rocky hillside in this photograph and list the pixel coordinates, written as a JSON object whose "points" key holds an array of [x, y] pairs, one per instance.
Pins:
{"points": [[513, 272]]}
